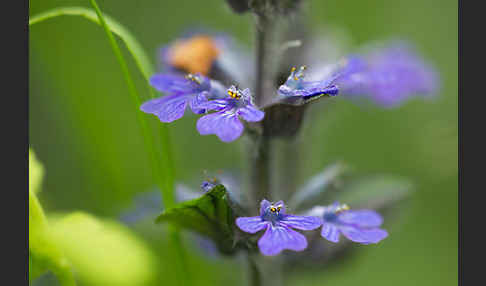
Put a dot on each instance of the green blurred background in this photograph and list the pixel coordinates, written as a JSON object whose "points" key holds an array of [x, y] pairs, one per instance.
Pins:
{"points": [[84, 130]]}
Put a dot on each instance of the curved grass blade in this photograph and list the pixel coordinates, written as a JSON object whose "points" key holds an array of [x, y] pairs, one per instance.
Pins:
{"points": [[166, 182], [165, 166], [162, 169], [133, 46], [140, 59]]}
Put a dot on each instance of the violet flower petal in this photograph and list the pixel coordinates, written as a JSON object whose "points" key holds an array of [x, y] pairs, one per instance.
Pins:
{"points": [[330, 232], [197, 103], [361, 218], [225, 125], [171, 83], [364, 236], [217, 104], [391, 75], [167, 108], [330, 90], [251, 113], [264, 205], [278, 238], [302, 222], [251, 224]]}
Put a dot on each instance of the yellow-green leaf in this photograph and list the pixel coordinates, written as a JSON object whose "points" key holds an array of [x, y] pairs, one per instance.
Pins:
{"points": [[43, 252], [103, 252], [36, 173]]}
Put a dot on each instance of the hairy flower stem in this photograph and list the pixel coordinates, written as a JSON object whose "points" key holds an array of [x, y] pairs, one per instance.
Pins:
{"points": [[261, 149], [260, 170], [266, 60], [261, 79], [286, 168], [266, 40]]}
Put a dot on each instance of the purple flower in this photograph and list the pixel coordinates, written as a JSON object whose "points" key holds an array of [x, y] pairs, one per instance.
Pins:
{"points": [[387, 76], [359, 226], [278, 225], [225, 122], [192, 90], [296, 89]]}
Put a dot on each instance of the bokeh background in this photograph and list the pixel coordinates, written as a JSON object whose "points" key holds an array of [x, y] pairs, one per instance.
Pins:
{"points": [[84, 130]]}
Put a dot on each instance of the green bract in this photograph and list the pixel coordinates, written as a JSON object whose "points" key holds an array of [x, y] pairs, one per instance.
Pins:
{"points": [[210, 215]]}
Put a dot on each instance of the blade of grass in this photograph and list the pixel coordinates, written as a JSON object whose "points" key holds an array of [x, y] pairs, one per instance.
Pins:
{"points": [[163, 170], [142, 62], [164, 183], [133, 46]]}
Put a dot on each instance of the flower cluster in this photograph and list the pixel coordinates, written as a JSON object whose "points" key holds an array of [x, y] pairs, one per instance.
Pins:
{"points": [[202, 94], [360, 226], [204, 71], [387, 76]]}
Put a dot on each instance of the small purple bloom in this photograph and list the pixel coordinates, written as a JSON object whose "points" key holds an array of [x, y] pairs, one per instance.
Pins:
{"points": [[296, 88], [360, 226], [388, 76], [194, 90], [225, 122], [278, 225]]}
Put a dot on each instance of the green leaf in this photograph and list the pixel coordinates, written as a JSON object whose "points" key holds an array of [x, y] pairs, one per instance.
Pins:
{"points": [[40, 251], [133, 46], [210, 215], [36, 173], [102, 251], [43, 252]]}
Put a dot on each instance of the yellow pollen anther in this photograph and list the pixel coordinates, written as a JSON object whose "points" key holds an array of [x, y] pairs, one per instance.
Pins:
{"points": [[273, 209], [234, 95], [292, 69]]}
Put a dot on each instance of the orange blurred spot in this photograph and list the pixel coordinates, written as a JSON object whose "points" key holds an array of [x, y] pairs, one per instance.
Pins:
{"points": [[193, 55]]}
